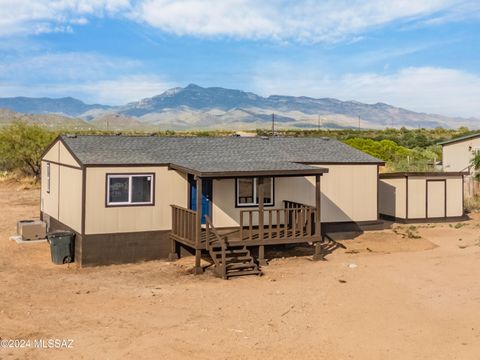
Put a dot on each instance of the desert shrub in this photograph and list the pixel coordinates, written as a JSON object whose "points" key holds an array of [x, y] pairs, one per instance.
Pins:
{"points": [[412, 232], [21, 147], [473, 203]]}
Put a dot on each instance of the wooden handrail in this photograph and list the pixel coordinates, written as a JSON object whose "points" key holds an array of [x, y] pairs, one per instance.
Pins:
{"points": [[221, 241], [184, 209], [295, 205]]}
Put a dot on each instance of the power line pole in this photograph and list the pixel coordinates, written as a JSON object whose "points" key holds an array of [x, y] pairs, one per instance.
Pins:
{"points": [[273, 124], [319, 122], [359, 123]]}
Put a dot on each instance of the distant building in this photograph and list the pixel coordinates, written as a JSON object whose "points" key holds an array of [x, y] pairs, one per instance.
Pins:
{"points": [[458, 153]]}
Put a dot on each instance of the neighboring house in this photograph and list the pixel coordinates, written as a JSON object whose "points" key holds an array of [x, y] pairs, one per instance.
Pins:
{"points": [[133, 198], [458, 153]]}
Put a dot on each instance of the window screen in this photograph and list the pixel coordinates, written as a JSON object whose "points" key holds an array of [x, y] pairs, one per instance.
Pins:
{"points": [[118, 190], [130, 189], [141, 189], [247, 191]]}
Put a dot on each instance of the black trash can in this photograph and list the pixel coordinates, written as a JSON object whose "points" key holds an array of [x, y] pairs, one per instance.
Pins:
{"points": [[61, 246]]}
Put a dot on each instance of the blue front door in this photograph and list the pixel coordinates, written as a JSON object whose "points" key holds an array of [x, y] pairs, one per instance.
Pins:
{"points": [[206, 196]]}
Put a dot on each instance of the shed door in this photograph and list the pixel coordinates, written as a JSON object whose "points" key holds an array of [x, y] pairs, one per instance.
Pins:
{"points": [[436, 198]]}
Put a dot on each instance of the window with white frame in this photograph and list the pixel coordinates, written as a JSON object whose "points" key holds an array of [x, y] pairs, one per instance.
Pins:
{"points": [[130, 189], [48, 178], [247, 191]]}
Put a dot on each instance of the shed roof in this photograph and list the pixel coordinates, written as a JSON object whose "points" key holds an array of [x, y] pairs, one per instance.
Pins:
{"points": [[215, 154], [403, 174], [459, 139]]}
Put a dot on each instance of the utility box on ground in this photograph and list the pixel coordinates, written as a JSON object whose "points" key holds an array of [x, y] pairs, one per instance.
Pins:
{"points": [[32, 229]]}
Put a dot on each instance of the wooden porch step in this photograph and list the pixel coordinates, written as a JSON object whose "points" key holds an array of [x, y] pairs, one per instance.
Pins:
{"points": [[238, 258], [238, 266], [231, 251], [242, 273], [230, 259]]}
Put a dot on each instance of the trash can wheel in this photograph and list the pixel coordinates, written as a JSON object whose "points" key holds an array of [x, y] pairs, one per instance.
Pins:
{"points": [[67, 260]]}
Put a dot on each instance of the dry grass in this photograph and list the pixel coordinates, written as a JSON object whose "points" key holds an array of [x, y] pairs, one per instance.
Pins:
{"points": [[473, 203], [19, 182]]}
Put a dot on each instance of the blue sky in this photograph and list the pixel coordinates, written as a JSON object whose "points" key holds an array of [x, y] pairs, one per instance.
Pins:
{"points": [[422, 55]]}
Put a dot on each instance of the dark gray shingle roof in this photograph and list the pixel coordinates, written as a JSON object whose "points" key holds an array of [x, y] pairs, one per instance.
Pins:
{"points": [[212, 154]]}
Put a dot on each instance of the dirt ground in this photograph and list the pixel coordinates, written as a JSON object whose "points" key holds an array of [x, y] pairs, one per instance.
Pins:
{"points": [[388, 295]]}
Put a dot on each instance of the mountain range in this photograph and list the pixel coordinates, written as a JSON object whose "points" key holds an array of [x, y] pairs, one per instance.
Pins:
{"points": [[196, 107]]}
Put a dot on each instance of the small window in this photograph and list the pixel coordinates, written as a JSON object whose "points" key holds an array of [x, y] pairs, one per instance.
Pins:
{"points": [[48, 178], [130, 190], [247, 191]]}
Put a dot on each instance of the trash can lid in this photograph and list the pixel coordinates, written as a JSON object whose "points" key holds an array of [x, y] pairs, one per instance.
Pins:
{"points": [[59, 233]]}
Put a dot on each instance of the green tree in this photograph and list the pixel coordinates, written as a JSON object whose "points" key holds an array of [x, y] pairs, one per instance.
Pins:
{"points": [[21, 147], [475, 162]]}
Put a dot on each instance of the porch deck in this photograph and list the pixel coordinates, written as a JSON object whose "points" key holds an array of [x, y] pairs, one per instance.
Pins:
{"points": [[295, 223]]}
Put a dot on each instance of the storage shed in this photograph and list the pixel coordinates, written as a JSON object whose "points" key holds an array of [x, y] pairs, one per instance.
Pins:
{"points": [[421, 196]]}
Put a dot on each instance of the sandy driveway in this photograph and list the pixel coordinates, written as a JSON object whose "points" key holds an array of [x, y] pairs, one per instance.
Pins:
{"points": [[406, 299]]}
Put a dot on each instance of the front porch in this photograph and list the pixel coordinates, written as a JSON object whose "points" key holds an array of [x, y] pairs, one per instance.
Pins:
{"points": [[292, 222]]}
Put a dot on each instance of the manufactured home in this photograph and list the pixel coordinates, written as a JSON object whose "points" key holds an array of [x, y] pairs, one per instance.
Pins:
{"points": [[133, 198]]}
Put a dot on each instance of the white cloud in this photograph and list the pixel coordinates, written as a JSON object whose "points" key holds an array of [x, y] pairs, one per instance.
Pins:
{"points": [[37, 16], [443, 91], [89, 76], [282, 20], [302, 20], [117, 91], [64, 67], [122, 90]]}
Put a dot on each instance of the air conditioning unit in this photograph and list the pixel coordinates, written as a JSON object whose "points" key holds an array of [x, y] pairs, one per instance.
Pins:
{"points": [[32, 229]]}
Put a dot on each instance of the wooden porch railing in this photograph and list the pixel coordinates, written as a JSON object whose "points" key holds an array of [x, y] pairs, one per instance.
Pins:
{"points": [[295, 205], [184, 223], [294, 223]]}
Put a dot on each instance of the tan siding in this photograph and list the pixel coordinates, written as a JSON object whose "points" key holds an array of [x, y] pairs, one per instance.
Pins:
{"points": [[416, 198], [65, 157], [393, 197], [53, 153], [349, 193], [49, 201], [457, 156], [170, 188], [454, 196], [64, 200], [70, 195], [224, 213]]}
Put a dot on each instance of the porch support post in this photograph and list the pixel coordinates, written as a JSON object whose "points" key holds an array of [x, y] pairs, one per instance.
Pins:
{"points": [[198, 252], [173, 255], [318, 226], [261, 195]]}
